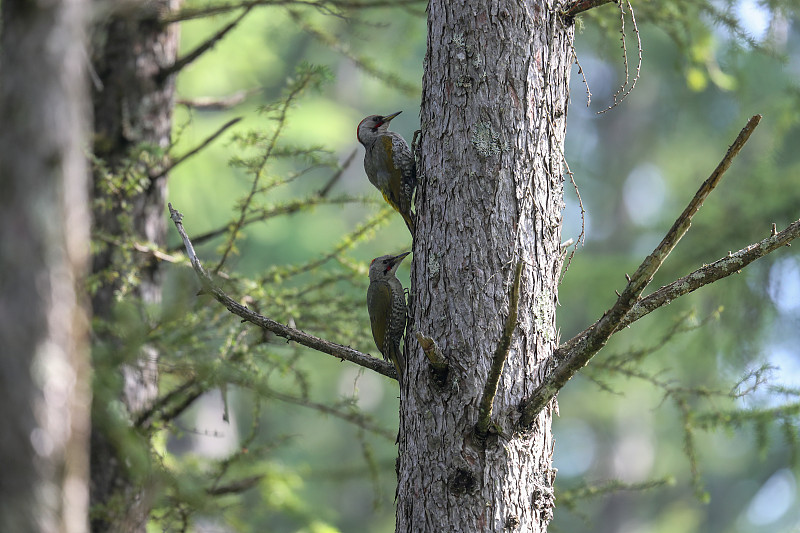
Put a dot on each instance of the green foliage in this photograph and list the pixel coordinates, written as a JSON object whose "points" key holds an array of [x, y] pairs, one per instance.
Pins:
{"points": [[287, 223]]}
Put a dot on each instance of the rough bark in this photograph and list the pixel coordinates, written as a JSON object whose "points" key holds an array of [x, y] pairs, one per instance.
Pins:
{"points": [[133, 103], [44, 243], [495, 93]]}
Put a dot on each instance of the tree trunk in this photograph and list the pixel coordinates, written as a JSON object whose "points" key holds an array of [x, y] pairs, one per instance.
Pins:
{"points": [[44, 248], [133, 105], [495, 94]]}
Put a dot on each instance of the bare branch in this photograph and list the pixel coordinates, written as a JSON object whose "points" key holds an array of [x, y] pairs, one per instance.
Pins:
{"points": [[721, 268], [235, 487], [293, 206], [355, 418], [325, 6], [182, 62], [147, 248], [290, 334], [221, 103], [575, 353], [323, 192], [177, 161], [157, 413], [289, 208], [283, 112], [579, 6], [499, 359]]}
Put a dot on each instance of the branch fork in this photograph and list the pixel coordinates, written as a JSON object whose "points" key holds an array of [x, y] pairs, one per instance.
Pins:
{"points": [[574, 354]]}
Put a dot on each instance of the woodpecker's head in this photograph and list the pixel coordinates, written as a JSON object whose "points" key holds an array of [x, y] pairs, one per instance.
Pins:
{"points": [[372, 126], [385, 266]]}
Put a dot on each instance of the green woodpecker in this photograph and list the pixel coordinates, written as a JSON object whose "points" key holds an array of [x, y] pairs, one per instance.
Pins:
{"points": [[389, 164], [386, 304]]}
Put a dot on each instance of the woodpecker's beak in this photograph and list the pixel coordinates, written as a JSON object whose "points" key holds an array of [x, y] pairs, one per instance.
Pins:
{"points": [[396, 260], [388, 118]]}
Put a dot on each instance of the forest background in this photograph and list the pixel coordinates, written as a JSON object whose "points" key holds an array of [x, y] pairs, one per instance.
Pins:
{"points": [[629, 457], [634, 166]]}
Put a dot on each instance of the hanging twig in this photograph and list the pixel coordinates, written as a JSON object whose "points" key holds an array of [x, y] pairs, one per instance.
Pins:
{"points": [[582, 236], [323, 192], [583, 75], [628, 86]]}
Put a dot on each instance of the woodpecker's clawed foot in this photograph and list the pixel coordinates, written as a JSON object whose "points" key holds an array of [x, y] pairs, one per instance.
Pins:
{"points": [[414, 145]]}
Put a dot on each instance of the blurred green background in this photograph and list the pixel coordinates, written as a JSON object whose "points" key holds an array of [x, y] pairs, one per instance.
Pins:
{"points": [[636, 167]]}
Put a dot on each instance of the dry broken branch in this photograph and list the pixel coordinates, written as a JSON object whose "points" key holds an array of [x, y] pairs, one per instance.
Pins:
{"points": [[290, 334], [579, 6]]}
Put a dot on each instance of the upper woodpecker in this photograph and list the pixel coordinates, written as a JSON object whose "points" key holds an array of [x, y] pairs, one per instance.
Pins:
{"points": [[389, 163], [386, 304]]}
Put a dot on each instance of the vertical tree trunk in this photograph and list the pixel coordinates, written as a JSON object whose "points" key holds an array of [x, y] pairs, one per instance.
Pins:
{"points": [[495, 93], [44, 245], [133, 106]]}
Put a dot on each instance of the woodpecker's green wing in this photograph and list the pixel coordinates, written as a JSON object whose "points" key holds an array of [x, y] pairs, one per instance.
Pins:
{"points": [[394, 183], [379, 304], [401, 174]]}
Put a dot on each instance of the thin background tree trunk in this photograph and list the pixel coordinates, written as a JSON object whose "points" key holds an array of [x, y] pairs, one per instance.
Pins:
{"points": [[495, 94], [44, 246], [132, 107]]}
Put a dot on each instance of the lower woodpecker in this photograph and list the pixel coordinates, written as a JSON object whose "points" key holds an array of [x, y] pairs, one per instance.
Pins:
{"points": [[386, 303]]}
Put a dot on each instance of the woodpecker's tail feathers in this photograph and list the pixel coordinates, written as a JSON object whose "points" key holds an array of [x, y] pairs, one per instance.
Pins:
{"points": [[395, 355], [409, 219]]}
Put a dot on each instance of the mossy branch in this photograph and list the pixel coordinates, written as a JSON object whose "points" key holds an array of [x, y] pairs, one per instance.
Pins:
{"points": [[499, 358]]}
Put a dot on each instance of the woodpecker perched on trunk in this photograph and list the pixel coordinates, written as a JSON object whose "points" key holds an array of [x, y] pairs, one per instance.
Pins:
{"points": [[386, 304], [389, 164]]}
